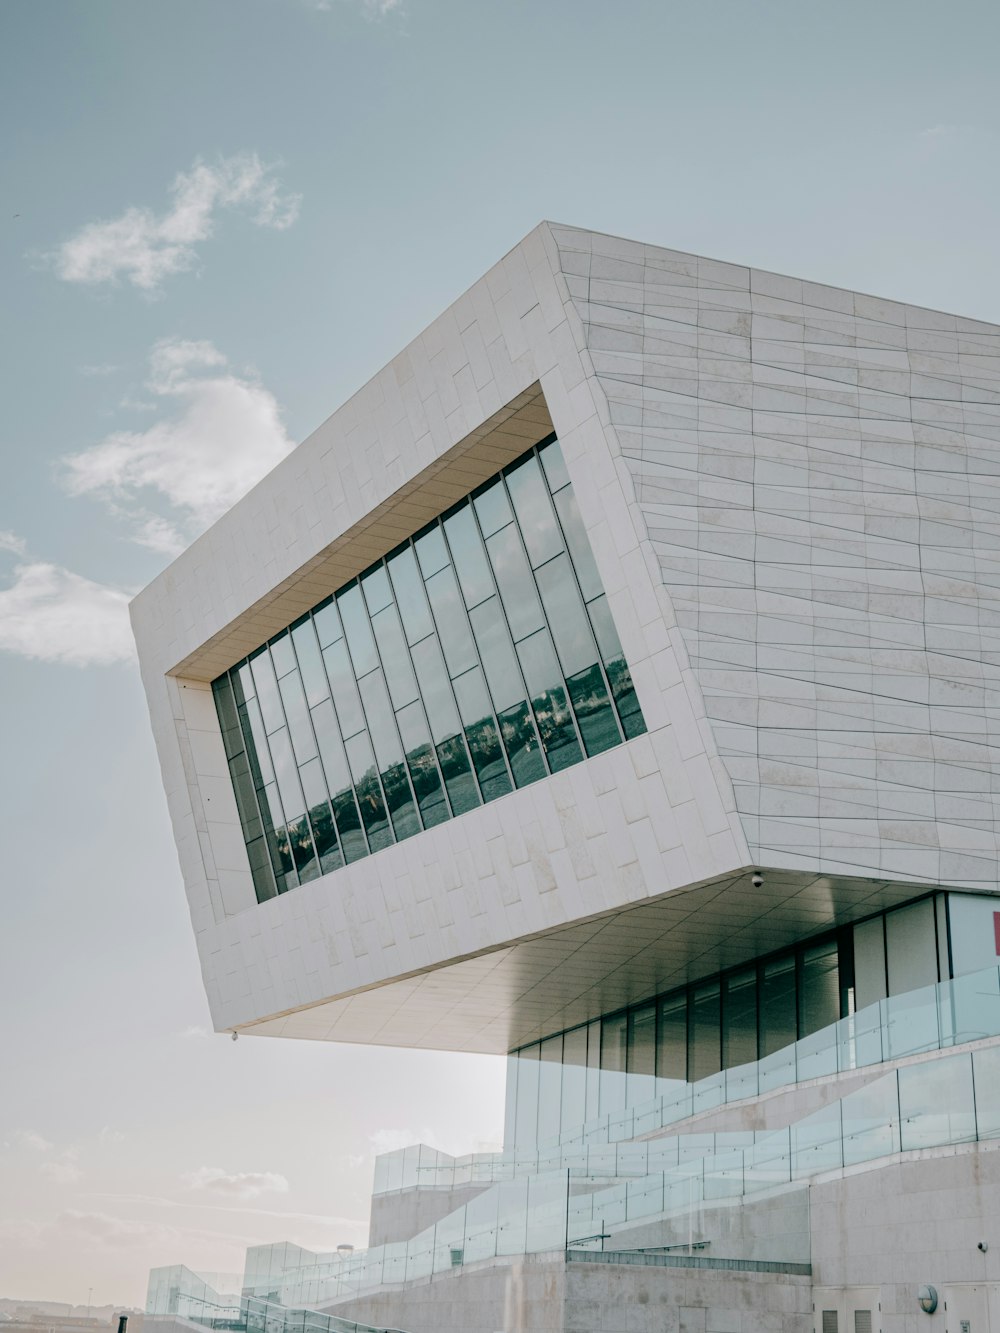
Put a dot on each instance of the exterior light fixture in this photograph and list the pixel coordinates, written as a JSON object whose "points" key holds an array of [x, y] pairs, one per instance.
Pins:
{"points": [[927, 1299]]}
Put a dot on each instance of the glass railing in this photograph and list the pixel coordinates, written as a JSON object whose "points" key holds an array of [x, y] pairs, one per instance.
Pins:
{"points": [[943, 1102], [932, 1018], [252, 1315]]}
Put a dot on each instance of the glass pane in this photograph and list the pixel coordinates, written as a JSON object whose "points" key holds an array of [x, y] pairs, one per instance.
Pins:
{"points": [[704, 1032], [410, 596], [310, 663], [369, 792], [358, 631], [243, 683], [282, 655], [297, 712], [619, 676], [229, 722], [446, 728], [548, 699], [287, 775], [256, 743], [520, 739], [579, 545], [481, 733], [549, 1087], [986, 1069], [533, 508], [389, 753], [469, 556], [497, 652], [641, 1054], [671, 1040], [871, 1122], [432, 552], [422, 764], [574, 1084], [345, 689], [267, 692], [327, 622], [614, 1035], [739, 1034], [321, 816], [526, 1122], [493, 508], [246, 799], [514, 579], [777, 1005], [395, 657], [936, 1105], [593, 1069], [376, 589], [567, 619], [303, 852], [595, 716], [452, 621], [553, 465], [819, 1002], [260, 869]]}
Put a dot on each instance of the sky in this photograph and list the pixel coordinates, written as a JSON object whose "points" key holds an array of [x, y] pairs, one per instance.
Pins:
{"points": [[218, 218]]}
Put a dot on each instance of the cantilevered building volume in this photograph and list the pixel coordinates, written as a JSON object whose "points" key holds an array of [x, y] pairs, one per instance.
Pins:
{"points": [[614, 683]]}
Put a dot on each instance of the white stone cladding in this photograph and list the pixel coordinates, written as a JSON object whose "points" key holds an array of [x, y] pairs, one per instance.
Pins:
{"points": [[819, 475], [796, 537]]}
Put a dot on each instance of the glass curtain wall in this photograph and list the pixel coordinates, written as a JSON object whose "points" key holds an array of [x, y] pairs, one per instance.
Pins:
{"points": [[628, 1058], [477, 657]]}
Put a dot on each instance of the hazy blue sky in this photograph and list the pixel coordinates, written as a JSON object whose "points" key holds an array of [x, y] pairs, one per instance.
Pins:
{"points": [[218, 218]]}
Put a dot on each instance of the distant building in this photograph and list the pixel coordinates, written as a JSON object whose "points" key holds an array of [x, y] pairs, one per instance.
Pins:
{"points": [[614, 683]]}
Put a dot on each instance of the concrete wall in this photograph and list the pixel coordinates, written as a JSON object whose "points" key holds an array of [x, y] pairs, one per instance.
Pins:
{"points": [[545, 1294], [909, 1223], [401, 1214]]}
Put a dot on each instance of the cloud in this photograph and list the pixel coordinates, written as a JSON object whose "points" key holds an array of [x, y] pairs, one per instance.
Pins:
{"points": [[225, 434], [238, 1185], [50, 614], [27, 1138], [62, 1173], [9, 541], [145, 248]]}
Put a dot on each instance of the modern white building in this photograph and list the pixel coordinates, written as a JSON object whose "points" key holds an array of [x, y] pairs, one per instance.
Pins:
{"points": [[614, 682]]}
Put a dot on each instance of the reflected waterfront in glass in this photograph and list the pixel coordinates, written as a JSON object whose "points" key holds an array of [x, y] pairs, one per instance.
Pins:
{"points": [[478, 657]]}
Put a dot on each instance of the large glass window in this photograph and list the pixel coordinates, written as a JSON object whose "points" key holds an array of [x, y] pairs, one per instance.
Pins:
{"points": [[478, 657]]}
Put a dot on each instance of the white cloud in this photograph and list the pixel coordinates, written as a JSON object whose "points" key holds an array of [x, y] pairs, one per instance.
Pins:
{"points": [[236, 1185], [9, 541], [62, 1173], [145, 248], [49, 614], [28, 1138], [226, 433]]}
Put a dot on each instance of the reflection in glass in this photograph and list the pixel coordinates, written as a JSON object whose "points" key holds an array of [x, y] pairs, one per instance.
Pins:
{"points": [[433, 682], [739, 1032], [389, 753], [778, 1025], [492, 508], [548, 699], [704, 1032], [619, 675], [369, 792], [469, 556], [410, 596], [533, 508], [267, 691], [422, 764], [338, 780], [358, 630], [481, 734]]}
